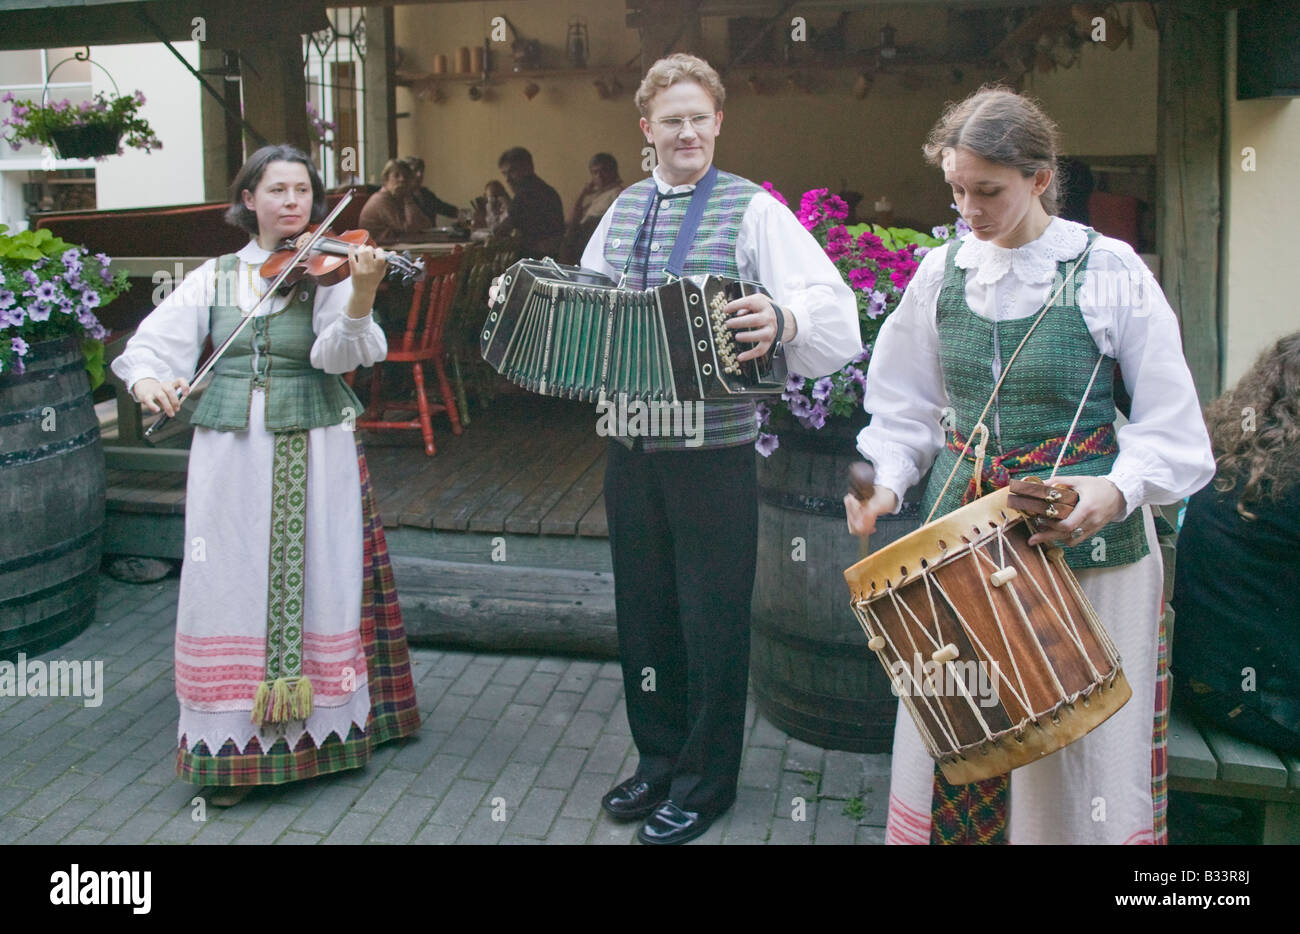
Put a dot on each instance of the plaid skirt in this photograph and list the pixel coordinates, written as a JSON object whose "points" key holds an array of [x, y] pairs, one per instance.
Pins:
{"points": [[393, 710]]}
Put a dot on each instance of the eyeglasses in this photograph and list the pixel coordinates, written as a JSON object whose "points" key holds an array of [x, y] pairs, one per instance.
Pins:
{"points": [[674, 124]]}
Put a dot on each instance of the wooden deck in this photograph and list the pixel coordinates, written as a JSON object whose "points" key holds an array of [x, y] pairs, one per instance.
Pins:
{"points": [[529, 465]]}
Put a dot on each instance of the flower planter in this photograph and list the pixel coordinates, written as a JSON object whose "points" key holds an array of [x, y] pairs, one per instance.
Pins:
{"points": [[52, 483], [812, 673], [87, 142]]}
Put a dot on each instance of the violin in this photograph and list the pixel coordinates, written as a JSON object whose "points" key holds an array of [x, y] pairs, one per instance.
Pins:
{"points": [[327, 263]]}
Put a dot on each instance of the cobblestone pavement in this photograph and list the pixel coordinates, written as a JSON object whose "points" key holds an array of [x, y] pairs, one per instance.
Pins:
{"points": [[514, 749]]}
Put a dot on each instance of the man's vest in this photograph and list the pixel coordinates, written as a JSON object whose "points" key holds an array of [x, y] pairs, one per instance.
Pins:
{"points": [[713, 253]]}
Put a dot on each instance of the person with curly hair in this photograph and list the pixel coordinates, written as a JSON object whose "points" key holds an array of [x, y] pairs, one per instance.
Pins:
{"points": [[1236, 658]]}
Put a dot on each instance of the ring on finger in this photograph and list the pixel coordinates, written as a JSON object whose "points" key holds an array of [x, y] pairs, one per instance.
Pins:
{"points": [[1077, 533]]}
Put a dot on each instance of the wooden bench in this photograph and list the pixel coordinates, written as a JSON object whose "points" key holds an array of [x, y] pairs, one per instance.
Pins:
{"points": [[1205, 760]]}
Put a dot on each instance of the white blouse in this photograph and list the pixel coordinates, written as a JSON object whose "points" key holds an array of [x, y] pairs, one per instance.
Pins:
{"points": [[1164, 450], [167, 343]]}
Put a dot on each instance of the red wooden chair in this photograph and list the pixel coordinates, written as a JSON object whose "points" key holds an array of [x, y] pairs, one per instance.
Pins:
{"points": [[422, 342]]}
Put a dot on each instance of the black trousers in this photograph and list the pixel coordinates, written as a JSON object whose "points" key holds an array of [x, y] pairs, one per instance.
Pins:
{"points": [[683, 532]]}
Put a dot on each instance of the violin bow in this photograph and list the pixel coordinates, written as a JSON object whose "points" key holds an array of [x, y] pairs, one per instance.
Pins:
{"points": [[252, 312]]}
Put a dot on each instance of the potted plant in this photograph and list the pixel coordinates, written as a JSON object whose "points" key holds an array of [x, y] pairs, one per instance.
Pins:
{"points": [[95, 128], [52, 478], [811, 670]]}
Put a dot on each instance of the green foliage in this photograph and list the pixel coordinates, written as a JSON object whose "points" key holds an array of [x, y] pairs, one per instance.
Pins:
{"points": [[93, 351], [31, 245]]}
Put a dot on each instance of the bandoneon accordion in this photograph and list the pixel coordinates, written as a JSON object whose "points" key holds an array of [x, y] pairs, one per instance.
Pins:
{"points": [[570, 332]]}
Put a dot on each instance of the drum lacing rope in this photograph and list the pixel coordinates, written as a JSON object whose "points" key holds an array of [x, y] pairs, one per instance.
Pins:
{"points": [[939, 718], [1067, 622], [1024, 618], [979, 422]]}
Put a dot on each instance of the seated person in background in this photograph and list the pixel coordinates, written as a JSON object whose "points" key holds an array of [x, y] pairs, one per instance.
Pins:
{"points": [[1236, 658], [535, 210], [495, 205], [391, 214], [429, 204], [593, 201]]}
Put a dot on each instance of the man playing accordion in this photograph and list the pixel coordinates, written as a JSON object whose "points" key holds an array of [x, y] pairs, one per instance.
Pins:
{"points": [[683, 518]]}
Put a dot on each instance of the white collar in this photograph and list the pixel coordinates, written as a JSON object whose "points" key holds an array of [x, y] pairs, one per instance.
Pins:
{"points": [[252, 253], [1034, 262], [666, 189]]}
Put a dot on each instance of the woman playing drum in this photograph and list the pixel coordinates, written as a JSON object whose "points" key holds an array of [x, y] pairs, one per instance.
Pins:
{"points": [[934, 368], [291, 659]]}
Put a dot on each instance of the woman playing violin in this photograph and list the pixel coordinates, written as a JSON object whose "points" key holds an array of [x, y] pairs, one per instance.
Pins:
{"points": [[291, 658]]}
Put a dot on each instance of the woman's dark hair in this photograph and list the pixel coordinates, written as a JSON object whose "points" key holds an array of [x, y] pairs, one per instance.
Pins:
{"points": [[251, 175], [1255, 428]]}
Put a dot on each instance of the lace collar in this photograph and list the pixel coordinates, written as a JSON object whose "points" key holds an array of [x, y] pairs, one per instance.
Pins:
{"points": [[1034, 262]]}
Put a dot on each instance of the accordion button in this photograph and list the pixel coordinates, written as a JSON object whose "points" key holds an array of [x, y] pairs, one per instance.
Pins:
{"points": [[616, 243], [654, 248], [876, 643]]}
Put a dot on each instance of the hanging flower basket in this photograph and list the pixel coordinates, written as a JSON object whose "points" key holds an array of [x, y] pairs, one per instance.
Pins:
{"points": [[91, 130], [86, 142]]}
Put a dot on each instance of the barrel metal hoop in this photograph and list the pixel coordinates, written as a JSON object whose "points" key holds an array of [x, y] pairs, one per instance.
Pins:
{"points": [[34, 415], [53, 449], [54, 551]]}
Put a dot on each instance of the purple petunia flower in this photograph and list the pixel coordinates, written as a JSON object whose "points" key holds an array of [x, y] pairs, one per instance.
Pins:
{"points": [[11, 318], [961, 227], [7, 97], [31, 278], [46, 292], [7, 299], [793, 383], [855, 375], [139, 97], [815, 419], [921, 251], [941, 232], [876, 307], [862, 279], [39, 311], [19, 345], [799, 404], [766, 444], [103, 259], [90, 298], [822, 389], [771, 190], [761, 414], [838, 242]]}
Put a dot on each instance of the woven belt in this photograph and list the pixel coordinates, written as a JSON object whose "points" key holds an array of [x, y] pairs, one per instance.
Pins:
{"points": [[995, 470]]}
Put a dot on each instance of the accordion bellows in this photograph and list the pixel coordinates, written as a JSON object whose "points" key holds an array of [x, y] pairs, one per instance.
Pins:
{"points": [[570, 332]]}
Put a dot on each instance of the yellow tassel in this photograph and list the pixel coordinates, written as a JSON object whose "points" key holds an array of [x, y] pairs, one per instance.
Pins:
{"points": [[279, 701], [302, 698], [260, 699]]}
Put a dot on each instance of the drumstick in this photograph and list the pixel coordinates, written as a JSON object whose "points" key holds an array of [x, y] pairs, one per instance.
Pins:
{"points": [[862, 484]]}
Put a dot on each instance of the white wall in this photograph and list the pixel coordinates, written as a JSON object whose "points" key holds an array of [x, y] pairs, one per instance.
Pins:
{"points": [[174, 174]]}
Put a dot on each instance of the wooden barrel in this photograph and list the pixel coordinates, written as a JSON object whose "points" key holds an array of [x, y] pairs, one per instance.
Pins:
{"points": [[810, 668], [52, 500]]}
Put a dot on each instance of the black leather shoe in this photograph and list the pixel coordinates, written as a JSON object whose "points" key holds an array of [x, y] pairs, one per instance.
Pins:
{"points": [[669, 824], [634, 798]]}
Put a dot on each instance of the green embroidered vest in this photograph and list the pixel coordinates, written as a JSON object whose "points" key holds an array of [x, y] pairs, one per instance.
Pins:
{"points": [[274, 354], [1037, 401], [712, 253]]}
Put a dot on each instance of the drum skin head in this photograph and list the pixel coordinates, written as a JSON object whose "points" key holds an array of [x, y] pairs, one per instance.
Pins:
{"points": [[1072, 722]]}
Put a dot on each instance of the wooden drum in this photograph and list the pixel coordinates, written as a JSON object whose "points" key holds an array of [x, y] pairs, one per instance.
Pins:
{"points": [[990, 642]]}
